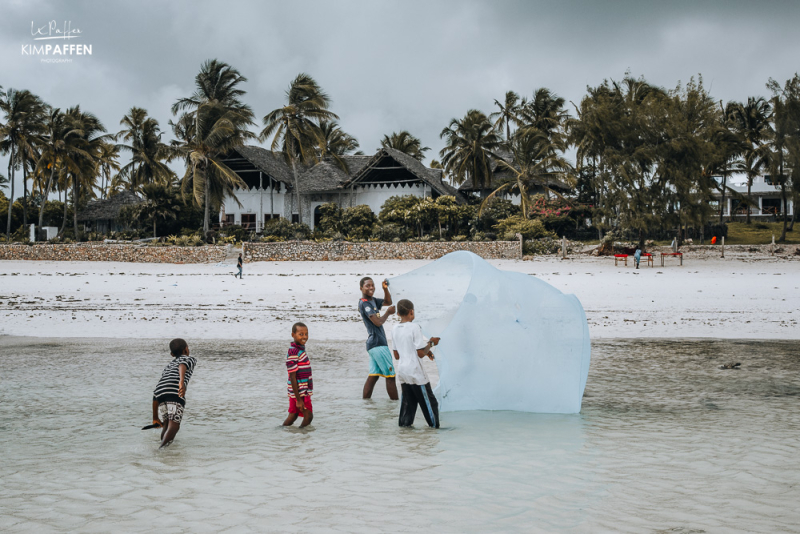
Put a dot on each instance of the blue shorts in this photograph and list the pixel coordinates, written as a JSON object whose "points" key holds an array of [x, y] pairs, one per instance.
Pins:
{"points": [[380, 362]]}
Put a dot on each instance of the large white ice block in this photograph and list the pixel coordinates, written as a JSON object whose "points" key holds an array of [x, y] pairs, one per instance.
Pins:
{"points": [[509, 341]]}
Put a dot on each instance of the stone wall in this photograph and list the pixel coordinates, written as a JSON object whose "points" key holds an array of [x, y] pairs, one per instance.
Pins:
{"points": [[114, 252], [344, 251]]}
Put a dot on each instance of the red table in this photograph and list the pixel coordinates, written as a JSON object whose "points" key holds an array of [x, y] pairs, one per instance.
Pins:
{"points": [[679, 254]]}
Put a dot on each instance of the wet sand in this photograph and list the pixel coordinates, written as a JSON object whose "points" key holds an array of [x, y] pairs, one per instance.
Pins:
{"points": [[745, 297]]}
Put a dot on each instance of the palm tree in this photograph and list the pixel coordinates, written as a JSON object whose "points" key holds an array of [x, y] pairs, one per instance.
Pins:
{"points": [[729, 146], [160, 204], [108, 161], [534, 162], [221, 122], [751, 122], [3, 181], [91, 141], [336, 143], [295, 129], [544, 116], [507, 114], [405, 143], [216, 83], [471, 146], [218, 130], [60, 150], [22, 115], [544, 112], [143, 135]]}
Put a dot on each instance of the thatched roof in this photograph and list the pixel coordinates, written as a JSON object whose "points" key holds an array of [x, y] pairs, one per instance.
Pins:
{"points": [[501, 175], [328, 176], [432, 177], [272, 163], [108, 209]]}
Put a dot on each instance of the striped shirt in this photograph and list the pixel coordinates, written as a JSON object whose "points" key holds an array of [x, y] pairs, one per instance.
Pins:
{"points": [[167, 388], [297, 362]]}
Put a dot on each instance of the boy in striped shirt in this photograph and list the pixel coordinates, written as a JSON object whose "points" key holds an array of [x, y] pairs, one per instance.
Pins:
{"points": [[299, 386], [169, 397]]}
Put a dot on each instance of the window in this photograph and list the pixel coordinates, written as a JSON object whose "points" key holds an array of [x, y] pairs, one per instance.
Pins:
{"points": [[770, 206], [228, 220], [249, 221], [295, 217], [268, 217]]}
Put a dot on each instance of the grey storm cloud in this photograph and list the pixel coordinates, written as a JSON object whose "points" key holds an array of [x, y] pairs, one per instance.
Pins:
{"points": [[390, 66]]}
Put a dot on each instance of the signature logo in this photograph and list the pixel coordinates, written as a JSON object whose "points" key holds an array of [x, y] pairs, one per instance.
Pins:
{"points": [[51, 30], [56, 53]]}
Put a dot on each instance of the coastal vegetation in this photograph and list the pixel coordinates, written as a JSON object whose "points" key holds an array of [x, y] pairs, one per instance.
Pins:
{"points": [[630, 161]]}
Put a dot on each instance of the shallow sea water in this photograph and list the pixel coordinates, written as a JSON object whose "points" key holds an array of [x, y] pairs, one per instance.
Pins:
{"points": [[666, 442]]}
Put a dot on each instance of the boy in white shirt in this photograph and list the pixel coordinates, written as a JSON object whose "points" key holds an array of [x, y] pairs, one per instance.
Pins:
{"points": [[409, 347]]}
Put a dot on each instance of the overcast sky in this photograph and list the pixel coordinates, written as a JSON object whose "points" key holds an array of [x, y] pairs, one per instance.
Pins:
{"points": [[390, 66]]}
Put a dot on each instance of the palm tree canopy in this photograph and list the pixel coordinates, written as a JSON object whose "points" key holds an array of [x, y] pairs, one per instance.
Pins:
{"points": [[336, 141], [471, 145], [219, 130], [217, 82], [149, 154], [508, 113], [294, 128], [405, 143]]}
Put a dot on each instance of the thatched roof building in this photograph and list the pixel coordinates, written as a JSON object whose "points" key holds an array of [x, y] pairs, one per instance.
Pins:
{"points": [[369, 180], [103, 214]]}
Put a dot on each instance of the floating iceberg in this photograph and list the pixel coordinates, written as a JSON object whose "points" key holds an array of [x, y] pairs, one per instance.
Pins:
{"points": [[509, 341]]}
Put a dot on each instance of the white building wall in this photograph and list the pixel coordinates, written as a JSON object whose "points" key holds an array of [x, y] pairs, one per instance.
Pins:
{"points": [[375, 196], [255, 201]]}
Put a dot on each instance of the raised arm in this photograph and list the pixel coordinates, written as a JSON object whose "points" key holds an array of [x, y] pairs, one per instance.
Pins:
{"points": [[387, 296]]}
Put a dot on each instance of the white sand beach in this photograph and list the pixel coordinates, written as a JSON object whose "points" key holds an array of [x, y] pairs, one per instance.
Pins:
{"points": [[744, 297]]}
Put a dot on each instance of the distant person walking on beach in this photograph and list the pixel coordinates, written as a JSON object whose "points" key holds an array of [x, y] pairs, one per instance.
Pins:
{"points": [[300, 386], [239, 266], [410, 346], [169, 397], [380, 359], [637, 257]]}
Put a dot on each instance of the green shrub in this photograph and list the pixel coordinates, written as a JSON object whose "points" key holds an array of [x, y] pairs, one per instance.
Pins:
{"points": [[389, 232], [542, 246], [272, 239], [330, 218], [357, 222], [286, 230], [529, 228]]}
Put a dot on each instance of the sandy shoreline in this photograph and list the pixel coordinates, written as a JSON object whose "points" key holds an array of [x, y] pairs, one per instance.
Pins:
{"points": [[742, 298]]}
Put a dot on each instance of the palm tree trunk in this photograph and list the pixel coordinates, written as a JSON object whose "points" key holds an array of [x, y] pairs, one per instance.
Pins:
{"points": [[783, 197], [64, 220], [749, 198], [24, 192], [155, 235], [785, 212], [722, 203], [46, 193], [10, 198], [75, 194], [297, 192], [207, 202]]}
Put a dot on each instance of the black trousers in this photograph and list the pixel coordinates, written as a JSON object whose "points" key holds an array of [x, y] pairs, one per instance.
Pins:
{"points": [[418, 395]]}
